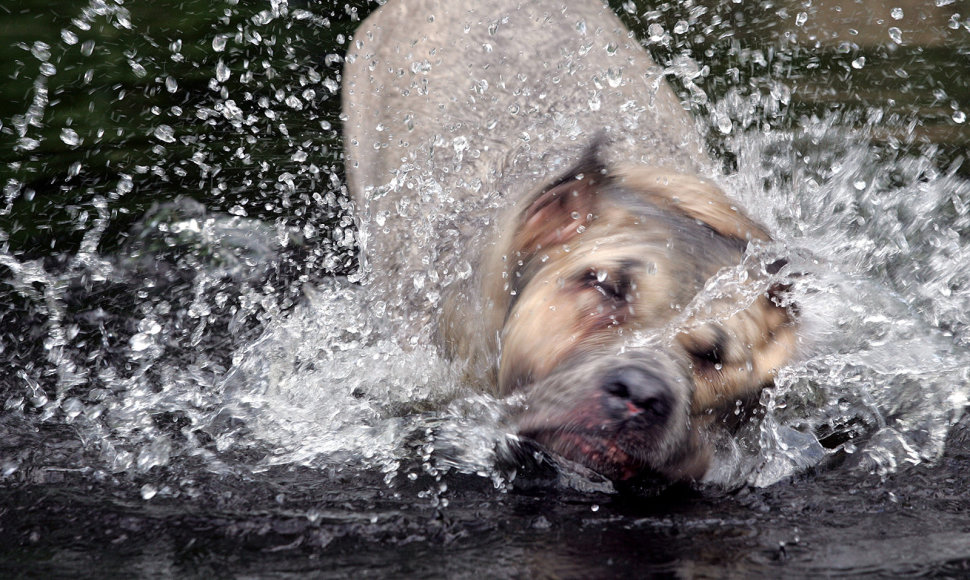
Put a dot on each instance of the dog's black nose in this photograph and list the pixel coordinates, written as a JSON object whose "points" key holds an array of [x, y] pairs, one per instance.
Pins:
{"points": [[633, 391]]}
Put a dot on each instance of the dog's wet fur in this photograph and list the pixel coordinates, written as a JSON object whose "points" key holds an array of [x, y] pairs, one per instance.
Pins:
{"points": [[529, 197]]}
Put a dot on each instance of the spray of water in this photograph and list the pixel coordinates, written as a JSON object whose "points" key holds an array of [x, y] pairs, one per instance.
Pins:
{"points": [[215, 334]]}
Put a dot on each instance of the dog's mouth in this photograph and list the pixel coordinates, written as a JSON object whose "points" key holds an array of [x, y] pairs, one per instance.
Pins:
{"points": [[621, 417], [604, 455]]}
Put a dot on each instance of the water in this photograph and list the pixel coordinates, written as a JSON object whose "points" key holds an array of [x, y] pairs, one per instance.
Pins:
{"points": [[191, 384]]}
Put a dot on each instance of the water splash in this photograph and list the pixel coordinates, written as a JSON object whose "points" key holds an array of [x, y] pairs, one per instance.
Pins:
{"points": [[165, 333]]}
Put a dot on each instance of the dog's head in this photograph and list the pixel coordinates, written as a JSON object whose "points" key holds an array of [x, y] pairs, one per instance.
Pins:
{"points": [[594, 289]]}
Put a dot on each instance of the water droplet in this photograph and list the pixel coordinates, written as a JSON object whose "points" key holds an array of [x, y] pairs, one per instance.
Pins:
{"points": [[41, 51], [137, 68], [897, 13], [724, 124], [859, 185], [681, 27], [47, 69], [219, 42], [27, 144], [171, 85], [72, 407], [614, 77], [959, 116], [140, 342], [420, 66], [859, 63], [148, 491], [149, 326], [896, 35], [594, 101], [165, 134], [70, 137], [655, 32], [801, 18], [68, 37], [87, 47], [629, 7], [222, 71]]}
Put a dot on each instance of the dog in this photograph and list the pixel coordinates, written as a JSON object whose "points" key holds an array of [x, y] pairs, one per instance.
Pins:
{"points": [[529, 198]]}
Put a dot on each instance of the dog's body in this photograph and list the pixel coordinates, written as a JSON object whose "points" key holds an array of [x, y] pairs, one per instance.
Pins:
{"points": [[506, 162]]}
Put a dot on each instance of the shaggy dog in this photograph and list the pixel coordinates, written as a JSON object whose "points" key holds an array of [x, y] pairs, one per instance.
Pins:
{"points": [[528, 197]]}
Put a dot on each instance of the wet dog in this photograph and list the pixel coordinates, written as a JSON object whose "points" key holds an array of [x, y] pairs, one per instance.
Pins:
{"points": [[528, 197]]}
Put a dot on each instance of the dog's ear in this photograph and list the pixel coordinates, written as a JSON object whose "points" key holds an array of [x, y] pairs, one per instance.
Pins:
{"points": [[564, 208], [694, 197]]}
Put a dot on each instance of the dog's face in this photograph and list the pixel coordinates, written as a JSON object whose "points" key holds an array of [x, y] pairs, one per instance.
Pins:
{"points": [[597, 269]]}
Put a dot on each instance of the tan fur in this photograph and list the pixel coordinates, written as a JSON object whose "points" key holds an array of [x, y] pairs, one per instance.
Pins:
{"points": [[696, 197], [575, 286], [549, 324]]}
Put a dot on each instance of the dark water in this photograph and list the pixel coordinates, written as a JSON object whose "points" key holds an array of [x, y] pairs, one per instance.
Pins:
{"points": [[293, 522], [189, 387]]}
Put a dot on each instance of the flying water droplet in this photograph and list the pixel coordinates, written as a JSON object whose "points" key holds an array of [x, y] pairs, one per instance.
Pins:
{"points": [[41, 51], [148, 491], [72, 407], [68, 37], [138, 69], [140, 342], [222, 71], [614, 77], [896, 35], [219, 42], [70, 137], [165, 134], [897, 13]]}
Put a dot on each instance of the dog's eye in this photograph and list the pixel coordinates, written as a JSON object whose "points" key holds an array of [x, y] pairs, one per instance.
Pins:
{"points": [[709, 354], [614, 286]]}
